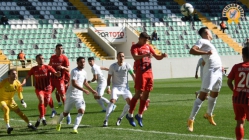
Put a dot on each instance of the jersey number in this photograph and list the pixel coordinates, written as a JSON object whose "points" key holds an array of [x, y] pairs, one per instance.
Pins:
{"points": [[243, 76]]}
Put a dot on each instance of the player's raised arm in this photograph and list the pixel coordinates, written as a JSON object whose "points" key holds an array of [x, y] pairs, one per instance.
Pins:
{"points": [[196, 51], [161, 56]]}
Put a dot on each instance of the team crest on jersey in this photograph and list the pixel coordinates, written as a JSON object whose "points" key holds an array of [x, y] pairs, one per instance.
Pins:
{"points": [[147, 46], [60, 59], [44, 70]]}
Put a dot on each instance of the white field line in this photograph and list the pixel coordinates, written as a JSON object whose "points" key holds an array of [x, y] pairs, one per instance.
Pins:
{"points": [[154, 132]]}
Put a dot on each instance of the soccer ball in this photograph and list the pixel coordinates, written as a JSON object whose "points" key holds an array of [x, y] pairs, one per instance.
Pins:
{"points": [[187, 9]]}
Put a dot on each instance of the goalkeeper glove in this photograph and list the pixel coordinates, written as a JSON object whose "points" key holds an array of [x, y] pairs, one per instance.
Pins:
{"points": [[23, 103]]}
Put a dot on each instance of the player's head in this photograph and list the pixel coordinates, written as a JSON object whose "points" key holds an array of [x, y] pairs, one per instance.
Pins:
{"points": [[205, 33], [81, 62], [91, 61], [120, 57], [245, 53], [58, 49], [39, 59], [143, 38], [12, 74]]}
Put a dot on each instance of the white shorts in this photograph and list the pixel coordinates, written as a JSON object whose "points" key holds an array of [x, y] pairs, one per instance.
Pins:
{"points": [[79, 103], [101, 89], [212, 80], [117, 91]]}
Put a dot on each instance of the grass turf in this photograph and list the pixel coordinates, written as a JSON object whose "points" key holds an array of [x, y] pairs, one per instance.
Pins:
{"points": [[166, 118]]}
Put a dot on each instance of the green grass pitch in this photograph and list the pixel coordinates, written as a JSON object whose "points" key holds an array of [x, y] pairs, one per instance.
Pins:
{"points": [[166, 118]]}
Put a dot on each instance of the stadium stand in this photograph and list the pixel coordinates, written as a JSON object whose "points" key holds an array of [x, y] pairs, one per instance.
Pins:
{"points": [[37, 25]]}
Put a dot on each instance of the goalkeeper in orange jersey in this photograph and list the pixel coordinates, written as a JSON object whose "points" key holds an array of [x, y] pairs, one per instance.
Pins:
{"points": [[8, 87]]}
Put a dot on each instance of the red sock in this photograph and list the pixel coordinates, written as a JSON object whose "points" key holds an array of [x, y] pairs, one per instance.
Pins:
{"points": [[58, 98], [51, 103], [142, 106], [239, 131], [132, 105], [41, 110]]}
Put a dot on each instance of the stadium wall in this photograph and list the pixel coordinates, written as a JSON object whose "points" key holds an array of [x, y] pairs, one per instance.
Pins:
{"points": [[167, 68]]}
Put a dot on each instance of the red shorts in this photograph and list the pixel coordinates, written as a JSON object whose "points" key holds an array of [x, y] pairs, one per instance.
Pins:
{"points": [[46, 95], [241, 111], [59, 85], [144, 81]]}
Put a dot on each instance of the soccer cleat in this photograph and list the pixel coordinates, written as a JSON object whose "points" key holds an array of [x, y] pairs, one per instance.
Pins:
{"points": [[9, 130], [44, 122], [75, 131], [53, 114], [58, 127], [103, 110], [114, 107], [32, 127], [139, 120], [68, 119], [131, 120], [210, 119], [105, 124], [190, 125], [118, 122], [37, 124]]}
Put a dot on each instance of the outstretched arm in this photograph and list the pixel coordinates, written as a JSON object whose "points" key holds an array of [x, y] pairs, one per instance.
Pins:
{"points": [[161, 56], [25, 79], [95, 77], [104, 68], [196, 51]]}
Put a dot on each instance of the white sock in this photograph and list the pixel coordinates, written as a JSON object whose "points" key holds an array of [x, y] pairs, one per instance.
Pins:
{"points": [[101, 103], [43, 118], [125, 110], [130, 115], [109, 110], [195, 109], [68, 115], [77, 121], [7, 125], [60, 118], [105, 100], [29, 124], [211, 105]]}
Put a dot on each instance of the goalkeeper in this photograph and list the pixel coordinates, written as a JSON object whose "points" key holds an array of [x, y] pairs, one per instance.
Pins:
{"points": [[8, 87]]}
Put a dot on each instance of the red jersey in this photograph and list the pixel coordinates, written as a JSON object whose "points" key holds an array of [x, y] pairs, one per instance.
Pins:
{"points": [[240, 75], [42, 76], [56, 61], [144, 64]]}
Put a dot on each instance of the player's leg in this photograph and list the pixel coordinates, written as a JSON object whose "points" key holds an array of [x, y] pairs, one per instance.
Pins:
{"points": [[60, 87], [6, 110], [58, 98], [80, 106], [67, 107], [241, 113], [114, 96], [100, 91], [41, 107], [127, 96], [23, 116], [51, 105]]}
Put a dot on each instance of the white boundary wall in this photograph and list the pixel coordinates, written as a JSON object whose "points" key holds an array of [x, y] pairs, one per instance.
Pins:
{"points": [[167, 68]]}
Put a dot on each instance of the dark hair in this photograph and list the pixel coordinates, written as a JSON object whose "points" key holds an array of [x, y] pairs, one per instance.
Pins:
{"points": [[90, 58], [119, 53], [245, 52], [10, 71], [58, 45], [202, 30], [79, 58], [38, 55]]}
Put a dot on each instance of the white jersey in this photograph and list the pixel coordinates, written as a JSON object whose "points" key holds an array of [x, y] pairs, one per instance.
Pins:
{"points": [[80, 76], [213, 60], [119, 74], [199, 64], [100, 77]]}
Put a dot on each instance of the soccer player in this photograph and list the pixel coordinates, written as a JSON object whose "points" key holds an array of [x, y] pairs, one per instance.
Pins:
{"points": [[60, 63], [142, 53], [98, 75], [239, 74], [74, 95], [43, 88], [118, 72], [211, 79], [8, 87]]}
